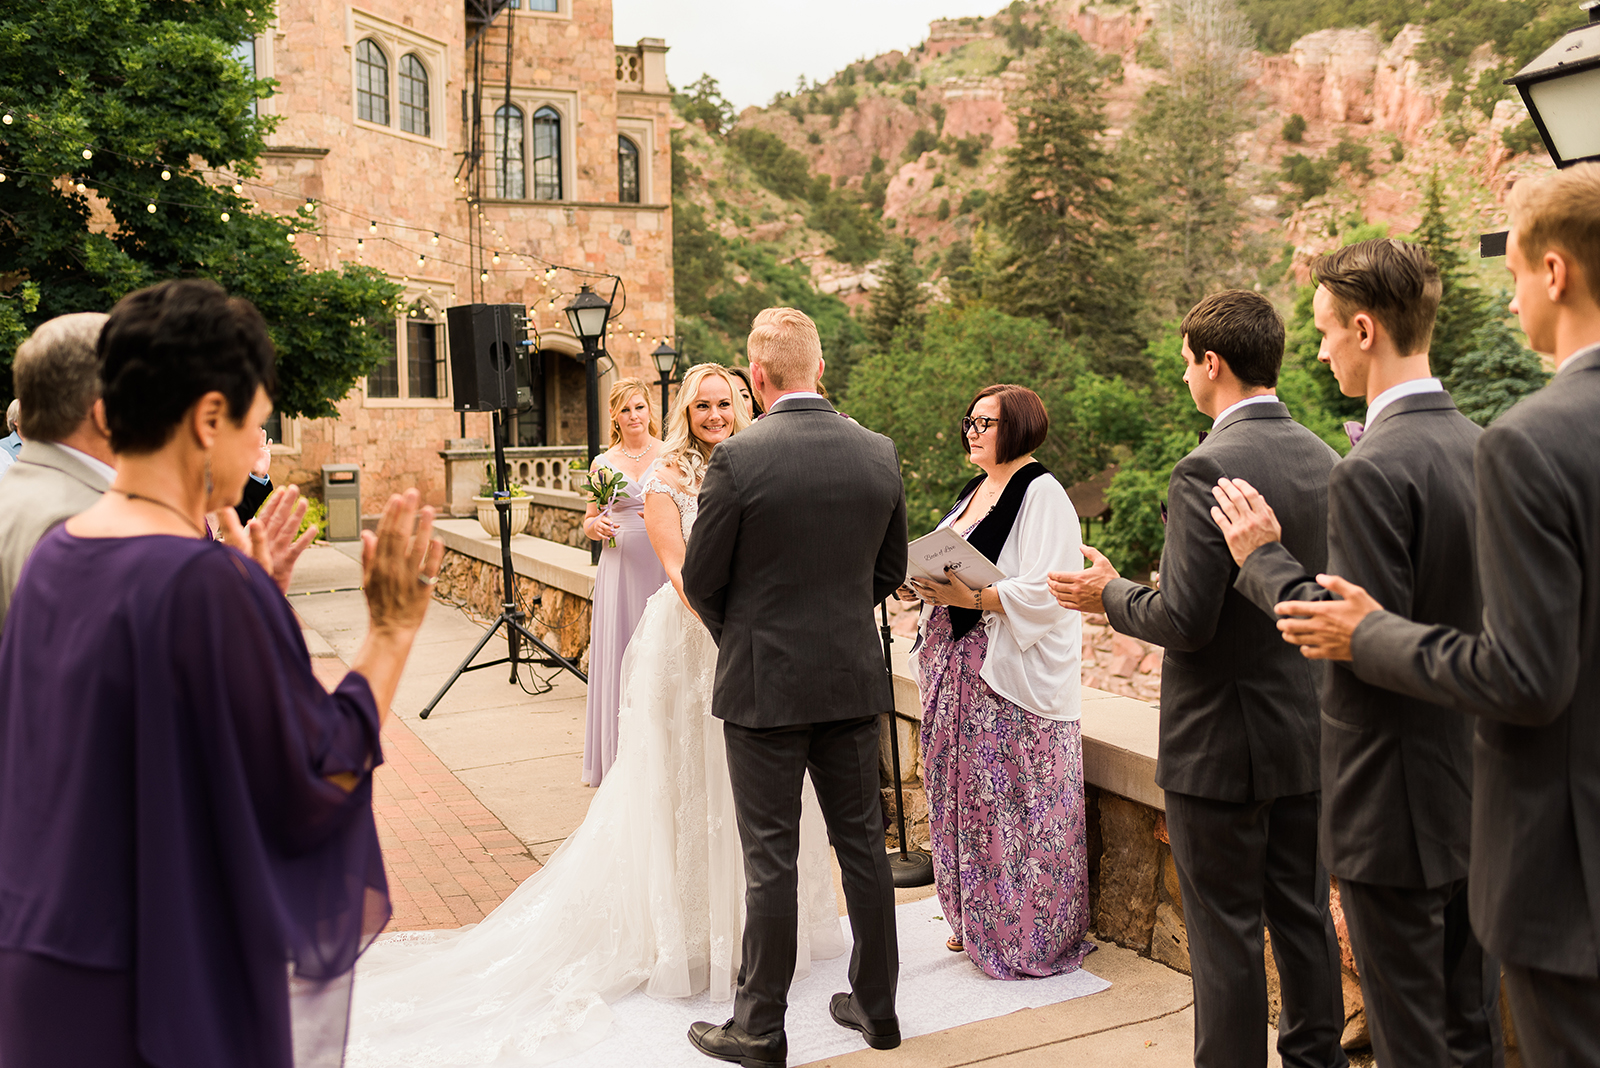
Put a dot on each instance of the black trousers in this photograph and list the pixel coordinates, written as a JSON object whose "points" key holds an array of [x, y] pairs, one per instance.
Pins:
{"points": [[1432, 994], [1557, 1016], [1242, 865], [768, 768]]}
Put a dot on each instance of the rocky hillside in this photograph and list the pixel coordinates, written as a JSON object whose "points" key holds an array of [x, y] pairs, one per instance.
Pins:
{"points": [[1347, 126]]}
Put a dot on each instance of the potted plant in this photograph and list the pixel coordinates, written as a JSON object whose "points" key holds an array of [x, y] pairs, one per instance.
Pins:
{"points": [[489, 513]]}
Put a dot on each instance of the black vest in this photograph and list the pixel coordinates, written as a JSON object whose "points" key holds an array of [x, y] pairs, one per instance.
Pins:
{"points": [[990, 535]]}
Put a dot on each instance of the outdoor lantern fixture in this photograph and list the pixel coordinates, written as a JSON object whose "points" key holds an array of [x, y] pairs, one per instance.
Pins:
{"points": [[666, 358], [588, 313], [1562, 90]]}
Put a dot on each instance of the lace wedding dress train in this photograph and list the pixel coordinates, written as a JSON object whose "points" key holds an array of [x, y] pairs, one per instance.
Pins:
{"points": [[648, 891]]}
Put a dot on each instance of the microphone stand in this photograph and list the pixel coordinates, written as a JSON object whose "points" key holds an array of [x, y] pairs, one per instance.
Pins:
{"points": [[908, 867]]}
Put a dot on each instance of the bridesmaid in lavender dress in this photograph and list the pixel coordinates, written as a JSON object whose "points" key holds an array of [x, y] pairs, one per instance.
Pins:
{"points": [[629, 571]]}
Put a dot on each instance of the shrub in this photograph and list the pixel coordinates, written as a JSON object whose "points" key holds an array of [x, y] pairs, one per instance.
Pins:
{"points": [[938, 113], [938, 180], [1357, 155], [944, 210], [1522, 138], [1311, 175], [813, 138], [921, 141], [909, 98], [973, 201], [1295, 129]]}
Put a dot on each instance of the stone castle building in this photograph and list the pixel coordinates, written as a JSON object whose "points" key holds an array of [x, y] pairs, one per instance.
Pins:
{"points": [[381, 107]]}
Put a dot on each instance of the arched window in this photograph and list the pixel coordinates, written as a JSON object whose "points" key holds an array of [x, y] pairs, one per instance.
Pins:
{"points": [[425, 369], [372, 82], [547, 154], [627, 171], [508, 176], [412, 89]]}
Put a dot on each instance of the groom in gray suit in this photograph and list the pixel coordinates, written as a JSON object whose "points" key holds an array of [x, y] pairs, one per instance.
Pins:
{"points": [[801, 530]]}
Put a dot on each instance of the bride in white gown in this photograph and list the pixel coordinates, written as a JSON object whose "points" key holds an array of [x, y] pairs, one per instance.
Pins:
{"points": [[648, 891]]}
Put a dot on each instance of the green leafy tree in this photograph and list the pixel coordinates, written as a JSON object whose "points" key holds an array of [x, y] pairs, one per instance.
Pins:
{"points": [[1182, 157], [1463, 311], [897, 303], [1073, 260], [702, 102], [1494, 372], [131, 109], [697, 258], [917, 395]]}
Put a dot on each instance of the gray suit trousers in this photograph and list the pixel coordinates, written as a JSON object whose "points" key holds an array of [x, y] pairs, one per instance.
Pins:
{"points": [[768, 768], [1432, 994], [1241, 864]]}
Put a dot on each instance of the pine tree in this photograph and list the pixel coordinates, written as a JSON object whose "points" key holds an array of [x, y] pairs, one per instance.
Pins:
{"points": [[1073, 258], [1181, 155], [897, 304], [1494, 373], [1462, 310]]}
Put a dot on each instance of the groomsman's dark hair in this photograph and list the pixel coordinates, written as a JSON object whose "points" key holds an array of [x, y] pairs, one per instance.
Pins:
{"points": [[1244, 329], [1393, 281]]}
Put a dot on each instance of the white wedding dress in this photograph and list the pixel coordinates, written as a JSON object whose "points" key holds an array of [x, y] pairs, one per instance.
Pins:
{"points": [[648, 891]]}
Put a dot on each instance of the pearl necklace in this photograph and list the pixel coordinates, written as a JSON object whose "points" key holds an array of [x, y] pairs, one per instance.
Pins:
{"points": [[642, 454]]}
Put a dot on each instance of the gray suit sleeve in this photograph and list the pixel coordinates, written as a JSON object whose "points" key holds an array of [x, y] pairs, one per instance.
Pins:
{"points": [[890, 570], [1369, 532], [1196, 570], [708, 560], [1523, 667]]}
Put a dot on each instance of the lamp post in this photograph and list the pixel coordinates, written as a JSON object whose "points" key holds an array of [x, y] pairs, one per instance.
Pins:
{"points": [[588, 313], [666, 358], [1562, 90]]}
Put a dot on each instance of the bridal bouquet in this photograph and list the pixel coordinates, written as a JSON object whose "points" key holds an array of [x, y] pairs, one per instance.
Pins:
{"points": [[605, 486]]}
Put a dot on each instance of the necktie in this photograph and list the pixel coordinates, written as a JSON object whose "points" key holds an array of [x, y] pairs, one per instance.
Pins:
{"points": [[1355, 430]]}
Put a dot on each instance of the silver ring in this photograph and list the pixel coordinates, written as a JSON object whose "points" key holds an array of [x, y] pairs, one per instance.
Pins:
{"points": [[426, 581]]}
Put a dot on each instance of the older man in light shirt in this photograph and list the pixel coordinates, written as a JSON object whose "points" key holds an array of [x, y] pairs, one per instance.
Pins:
{"points": [[66, 461]]}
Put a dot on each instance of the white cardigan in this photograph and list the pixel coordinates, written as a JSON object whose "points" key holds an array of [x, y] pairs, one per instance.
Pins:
{"points": [[1036, 646]]}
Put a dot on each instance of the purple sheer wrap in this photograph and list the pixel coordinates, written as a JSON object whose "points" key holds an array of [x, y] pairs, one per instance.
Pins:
{"points": [[164, 805]]}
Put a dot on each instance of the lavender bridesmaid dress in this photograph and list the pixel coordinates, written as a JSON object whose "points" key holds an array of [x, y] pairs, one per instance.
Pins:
{"points": [[628, 575]]}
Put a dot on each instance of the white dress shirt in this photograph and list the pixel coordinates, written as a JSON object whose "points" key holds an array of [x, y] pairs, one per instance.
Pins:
{"points": [[99, 467], [796, 395], [1404, 389], [1260, 398]]}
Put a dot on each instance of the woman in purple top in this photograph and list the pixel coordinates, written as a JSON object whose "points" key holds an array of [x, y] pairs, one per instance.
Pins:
{"points": [[188, 862], [629, 571]]}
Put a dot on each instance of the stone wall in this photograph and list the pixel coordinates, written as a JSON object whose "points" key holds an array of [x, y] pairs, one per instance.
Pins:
{"points": [[558, 523], [560, 620]]}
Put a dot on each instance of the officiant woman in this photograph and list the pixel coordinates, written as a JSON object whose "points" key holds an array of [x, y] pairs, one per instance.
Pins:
{"points": [[188, 860], [998, 670]]}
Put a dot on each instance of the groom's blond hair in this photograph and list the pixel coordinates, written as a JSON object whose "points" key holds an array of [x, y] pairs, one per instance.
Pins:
{"points": [[785, 343]]}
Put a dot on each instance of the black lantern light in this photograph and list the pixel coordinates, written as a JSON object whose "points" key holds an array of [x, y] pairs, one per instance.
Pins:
{"points": [[1562, 90], [588, 313], [666, 358]]}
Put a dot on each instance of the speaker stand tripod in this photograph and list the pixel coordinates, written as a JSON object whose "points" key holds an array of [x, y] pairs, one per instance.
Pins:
{"points": [[907, 867], [511, 616]]}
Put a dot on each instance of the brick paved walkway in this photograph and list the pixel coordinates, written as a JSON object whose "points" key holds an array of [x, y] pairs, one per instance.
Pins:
{"points": [[448, 859]]}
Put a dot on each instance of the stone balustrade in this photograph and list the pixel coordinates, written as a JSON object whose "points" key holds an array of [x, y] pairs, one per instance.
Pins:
{"points": [[544, 467]]}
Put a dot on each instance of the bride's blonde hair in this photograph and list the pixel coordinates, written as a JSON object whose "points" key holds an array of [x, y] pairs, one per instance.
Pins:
{"points": [[688, 452]]}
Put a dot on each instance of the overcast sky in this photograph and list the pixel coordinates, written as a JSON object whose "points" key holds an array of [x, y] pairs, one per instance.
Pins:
{"points": [[754, 48]]}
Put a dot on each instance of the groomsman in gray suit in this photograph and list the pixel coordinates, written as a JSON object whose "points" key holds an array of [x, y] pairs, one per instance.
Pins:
{"points": [[1396, 771], [1531, 674], [801, 530], [66, 463], [1238, 744]]}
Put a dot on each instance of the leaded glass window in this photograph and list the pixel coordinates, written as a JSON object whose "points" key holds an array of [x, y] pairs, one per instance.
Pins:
{"points": [[547, 154], [509, 183], [627, 171], [372, 82], [412, 89]]}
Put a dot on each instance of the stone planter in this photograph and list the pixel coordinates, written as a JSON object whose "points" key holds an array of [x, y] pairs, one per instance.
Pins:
{"points": [[489, 515]]}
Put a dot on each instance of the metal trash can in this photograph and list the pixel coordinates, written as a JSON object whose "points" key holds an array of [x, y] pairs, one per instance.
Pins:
{"points": [[341, 492]]}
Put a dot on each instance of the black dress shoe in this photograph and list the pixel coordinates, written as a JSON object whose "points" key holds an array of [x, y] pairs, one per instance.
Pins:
{"points": [[730, 1043], [880, 1034]]}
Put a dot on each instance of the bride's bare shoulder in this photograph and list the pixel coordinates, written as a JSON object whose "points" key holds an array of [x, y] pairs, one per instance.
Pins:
{"points": [[669, 475]]}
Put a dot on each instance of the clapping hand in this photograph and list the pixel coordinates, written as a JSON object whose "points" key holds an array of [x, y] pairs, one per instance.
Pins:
{"points": [[1246, 519], [1323, 629], [270, 538], [1081, 590], [263, 465], [400, 564]]}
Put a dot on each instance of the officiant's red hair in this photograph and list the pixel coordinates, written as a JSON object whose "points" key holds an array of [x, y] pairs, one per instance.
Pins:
{"points": [[1023, 420]]}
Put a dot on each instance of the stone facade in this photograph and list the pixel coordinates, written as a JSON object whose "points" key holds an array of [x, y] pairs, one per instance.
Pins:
{"points": [[399, 195]]}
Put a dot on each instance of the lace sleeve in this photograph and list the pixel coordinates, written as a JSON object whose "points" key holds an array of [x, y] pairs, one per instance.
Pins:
{"points": [[653, 484]]}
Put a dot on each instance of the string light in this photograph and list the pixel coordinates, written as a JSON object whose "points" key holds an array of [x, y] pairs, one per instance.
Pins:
{"points": [[289, 237], [226, 217], [421, 259], [7, 120], [497, 257], [238, 190], [151, 207], [166, 175], [436, 237], [80, 187], [88, 154], [372, 227], [2, 176]]}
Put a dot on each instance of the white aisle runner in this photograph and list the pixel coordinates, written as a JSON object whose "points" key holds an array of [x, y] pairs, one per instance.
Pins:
{"points": [[938, 989]]}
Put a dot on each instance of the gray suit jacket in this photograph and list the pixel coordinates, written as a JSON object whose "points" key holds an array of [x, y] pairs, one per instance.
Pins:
{"points": [[1531, 676], [1396, 771], [1238, 704], [47, 485], [802, 529]]}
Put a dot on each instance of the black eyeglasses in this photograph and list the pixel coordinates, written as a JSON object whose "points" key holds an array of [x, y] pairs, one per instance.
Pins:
{"points": [[980, 423]]}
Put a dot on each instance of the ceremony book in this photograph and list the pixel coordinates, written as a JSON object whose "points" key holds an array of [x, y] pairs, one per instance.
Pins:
{"points": [[945, 550]]}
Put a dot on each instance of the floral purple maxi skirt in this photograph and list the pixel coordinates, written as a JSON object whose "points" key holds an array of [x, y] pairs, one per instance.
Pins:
{"points": [[1006, 814]]}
